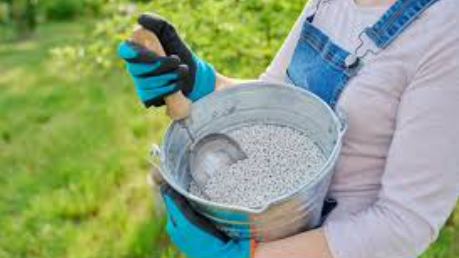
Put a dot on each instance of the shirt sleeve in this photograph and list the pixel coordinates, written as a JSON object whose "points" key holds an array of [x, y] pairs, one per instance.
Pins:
{"points": [[420, 184], [277, 70]]}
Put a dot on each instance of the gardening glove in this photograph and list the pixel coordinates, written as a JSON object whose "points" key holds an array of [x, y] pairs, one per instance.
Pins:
{"points": [[195, 236], [201, 75], [154, 76]]}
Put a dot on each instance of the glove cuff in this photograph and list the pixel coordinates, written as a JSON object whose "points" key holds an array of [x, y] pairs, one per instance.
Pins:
{"points": [[158, 101], [204, 83]]}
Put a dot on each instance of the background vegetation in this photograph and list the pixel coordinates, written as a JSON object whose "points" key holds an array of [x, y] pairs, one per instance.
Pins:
{"points": [[73, 137]]}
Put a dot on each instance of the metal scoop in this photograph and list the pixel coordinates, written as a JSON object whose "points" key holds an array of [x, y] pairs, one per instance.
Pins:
{"points": [[210, 153]]}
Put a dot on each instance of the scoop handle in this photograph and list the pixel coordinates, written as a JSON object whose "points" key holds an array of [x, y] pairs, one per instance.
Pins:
{"points": [[178, 106]]}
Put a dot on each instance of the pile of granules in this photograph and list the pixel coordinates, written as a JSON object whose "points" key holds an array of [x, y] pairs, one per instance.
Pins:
{"points": [[280, 160]]}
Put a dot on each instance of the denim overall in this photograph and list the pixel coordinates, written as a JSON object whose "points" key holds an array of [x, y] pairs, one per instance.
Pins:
{"points": [[323, 68]]}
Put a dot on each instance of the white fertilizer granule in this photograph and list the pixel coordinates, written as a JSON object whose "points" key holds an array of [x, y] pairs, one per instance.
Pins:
{"points": [[280, 160]]}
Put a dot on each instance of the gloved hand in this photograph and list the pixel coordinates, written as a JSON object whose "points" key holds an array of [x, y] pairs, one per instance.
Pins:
{"points": [[156, 80], [197, 237], [154, 77]]}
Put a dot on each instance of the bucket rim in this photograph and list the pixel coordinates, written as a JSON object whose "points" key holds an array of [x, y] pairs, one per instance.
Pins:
{"points": [[337, 115]]}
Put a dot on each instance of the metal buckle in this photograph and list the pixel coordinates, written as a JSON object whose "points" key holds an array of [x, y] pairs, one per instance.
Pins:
{"points": [[366, 47]]}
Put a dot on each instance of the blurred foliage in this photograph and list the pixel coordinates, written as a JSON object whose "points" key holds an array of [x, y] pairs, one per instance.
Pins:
{"points": [[73, 158], [61, 10], [19, 18], [230, 34], [20, 15], [4, 13]]}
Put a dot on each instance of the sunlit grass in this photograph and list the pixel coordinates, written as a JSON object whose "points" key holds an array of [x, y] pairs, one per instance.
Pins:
{"points": [[73, 159]]}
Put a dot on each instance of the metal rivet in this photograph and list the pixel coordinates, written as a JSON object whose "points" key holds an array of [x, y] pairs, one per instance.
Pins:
{"points": [[351, 61]]}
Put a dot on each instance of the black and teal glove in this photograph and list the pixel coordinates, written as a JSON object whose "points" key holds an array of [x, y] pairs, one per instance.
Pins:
{"points": [[156, 77], [195, 236]]}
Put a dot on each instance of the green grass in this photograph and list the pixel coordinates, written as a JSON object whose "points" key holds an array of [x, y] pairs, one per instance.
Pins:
{"points": [[72, 161]]}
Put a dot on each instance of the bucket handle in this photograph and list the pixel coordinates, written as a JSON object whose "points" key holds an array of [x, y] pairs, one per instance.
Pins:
{"points": [[155, 175], [343, 121]]}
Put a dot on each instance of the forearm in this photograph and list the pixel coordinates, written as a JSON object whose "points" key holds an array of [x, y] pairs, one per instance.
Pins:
{"points": [[312, 244], [222, 82]]}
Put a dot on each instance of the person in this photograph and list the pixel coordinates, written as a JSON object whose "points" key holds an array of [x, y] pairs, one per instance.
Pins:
{"points": [[393, 67]]}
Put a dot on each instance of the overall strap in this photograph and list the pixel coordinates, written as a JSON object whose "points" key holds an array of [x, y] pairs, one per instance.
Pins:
{"points": [[316, 5], [399, 16]]}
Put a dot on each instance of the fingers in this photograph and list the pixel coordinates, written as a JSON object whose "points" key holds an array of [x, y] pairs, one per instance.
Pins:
{"points": [[135, 53], [176, 77], [183, 214], [125, 51], [140, 70], [155, 82], [159, 92], [155, 97], [168, 36], [158, 76], [144, 63], [183, 79], [153, 89], [158, 25], [167, 65], [155, 76]]}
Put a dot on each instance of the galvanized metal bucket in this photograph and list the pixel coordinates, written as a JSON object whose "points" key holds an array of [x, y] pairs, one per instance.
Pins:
{"points": [[255, 103]]}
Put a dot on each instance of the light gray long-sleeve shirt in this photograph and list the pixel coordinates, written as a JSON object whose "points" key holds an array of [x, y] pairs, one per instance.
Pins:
{"points": [[397, 179]]}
